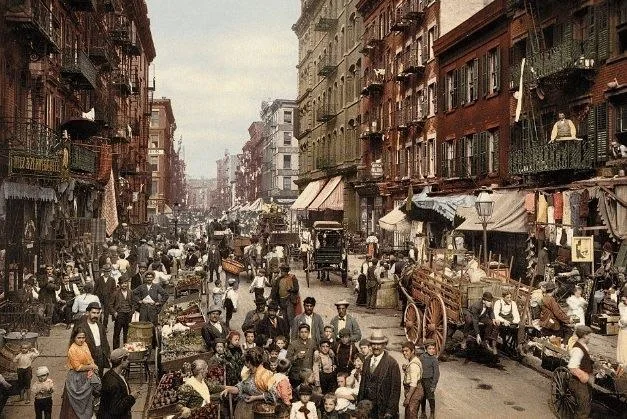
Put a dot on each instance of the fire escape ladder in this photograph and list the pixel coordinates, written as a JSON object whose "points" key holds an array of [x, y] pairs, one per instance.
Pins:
{"points": [[536, 36]]}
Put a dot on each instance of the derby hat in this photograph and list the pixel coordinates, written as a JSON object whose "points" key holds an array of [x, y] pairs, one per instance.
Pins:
{"points": [[213, 308], [342, 303]]}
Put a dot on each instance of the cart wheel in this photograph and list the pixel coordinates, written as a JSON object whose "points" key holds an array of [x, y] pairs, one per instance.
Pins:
{"points": [[413, 323], [563, 401], [434, 324]]}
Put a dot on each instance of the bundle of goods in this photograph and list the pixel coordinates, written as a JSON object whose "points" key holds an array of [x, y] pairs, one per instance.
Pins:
{"points": [[188, 341], [136, 350]]}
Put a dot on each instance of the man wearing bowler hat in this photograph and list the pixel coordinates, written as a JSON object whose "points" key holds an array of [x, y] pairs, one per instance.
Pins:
{"points": [[121, 311], [214, 328], [553, 319], [381, 380], [138, 278], [343, 320], [104, 287], [96, 336], [481, 312], [272, 326], [116, 399], [253, 317]]}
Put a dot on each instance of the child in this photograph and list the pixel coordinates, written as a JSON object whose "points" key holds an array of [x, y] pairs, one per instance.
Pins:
{"points": [[281, 342], [328, 333], [324, 367], [217, 296], [364, 348], [430, 377], [345, 395], [363, 410], [259, 283], [24, 361], [357, 371], [249, 340], [43, 389], [230, 301], [304, 408], [329, 407], [280, 386]]}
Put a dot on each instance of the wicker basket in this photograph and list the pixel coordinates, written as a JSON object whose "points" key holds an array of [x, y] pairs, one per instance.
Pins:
{"points": [[232, 266]]}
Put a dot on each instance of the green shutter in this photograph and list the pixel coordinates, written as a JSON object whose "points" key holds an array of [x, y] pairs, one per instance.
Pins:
{"points": [[602, 31], [568, 41], [438, 92], [475, 79], [483, 161], [590, 38], [475, 151], [460, 156], [456, 88], [484, 83], [497, 69], [496, 161], [462, 85], [601, 132], [442, 161]]}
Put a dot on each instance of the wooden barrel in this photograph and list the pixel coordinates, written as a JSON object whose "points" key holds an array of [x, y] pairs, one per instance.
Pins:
{"points": [[140, 332], [387, 295]]}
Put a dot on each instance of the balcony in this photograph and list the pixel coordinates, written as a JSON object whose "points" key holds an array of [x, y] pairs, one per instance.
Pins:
{"points": [[103, 56], [81, 5], [418, 115], [327, 65], [372, 38], [413, 10], [373, 81], [122, 81], [325, 24], [105, 113], [412, 62], [565, 59], [34, 20], [124, 35], [78, 70], [326, 112], [399, 23], [27, 136], [402, 118], [371, 128], [121, 130], [539, 158]]}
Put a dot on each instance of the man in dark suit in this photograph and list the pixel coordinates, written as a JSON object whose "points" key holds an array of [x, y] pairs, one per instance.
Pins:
{"points": [[104, 287], [149, 297], [345, 321], [272, 325], [214, 328], [481, 312], [48, 288], [116, 400], [95, 336], [314, 320], [121, 311], [138, 278], [381, 379], [214, 261]]}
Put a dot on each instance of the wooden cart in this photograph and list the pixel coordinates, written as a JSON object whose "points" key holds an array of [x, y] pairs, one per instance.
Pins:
{"points": [[436, 302]]}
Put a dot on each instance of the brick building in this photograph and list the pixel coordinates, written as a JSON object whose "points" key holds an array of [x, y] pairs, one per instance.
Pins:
{"points": [[199, 193], [74, 95], [249, 175]]}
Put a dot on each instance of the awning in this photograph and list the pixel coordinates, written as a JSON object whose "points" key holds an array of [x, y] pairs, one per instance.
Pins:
{"points": [[13, 190], [308, 195], [613, 211], [331, 197], [244, 207], [285, 201], [446, 206], [395, 220], [167, 209], [234, 208], [256, 206], [508, 215]]}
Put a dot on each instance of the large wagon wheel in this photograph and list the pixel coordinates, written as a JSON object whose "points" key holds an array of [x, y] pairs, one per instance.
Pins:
{"points": [[413, 323], [563, 401], [434, 325]]}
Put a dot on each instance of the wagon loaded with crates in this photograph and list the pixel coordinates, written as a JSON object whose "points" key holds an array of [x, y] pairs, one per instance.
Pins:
{"points": [[436, 301]]}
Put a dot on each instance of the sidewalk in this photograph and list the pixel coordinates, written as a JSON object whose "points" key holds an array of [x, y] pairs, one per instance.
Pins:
{"points": [[54, 355]]}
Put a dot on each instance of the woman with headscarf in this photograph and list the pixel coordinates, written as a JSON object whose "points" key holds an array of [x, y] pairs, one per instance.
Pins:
{"points": [[82, 383], [254, 388], [196, 392]]}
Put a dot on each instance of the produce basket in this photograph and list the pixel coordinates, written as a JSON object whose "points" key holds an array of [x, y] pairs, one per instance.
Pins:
{"points": [[232, 266], [137, 351], [176, 363]]}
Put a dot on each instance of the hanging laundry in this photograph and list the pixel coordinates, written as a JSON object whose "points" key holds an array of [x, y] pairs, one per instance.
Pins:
{"points": [[541, 216], [558, 235], [584, 210], [566, 215], [558, 204], [550, 227], [574, 210], [530, 203]]}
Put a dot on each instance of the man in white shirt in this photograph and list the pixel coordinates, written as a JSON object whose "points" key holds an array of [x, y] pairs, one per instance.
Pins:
{"points": [[95, 336], [313, 320], [581, 367]]}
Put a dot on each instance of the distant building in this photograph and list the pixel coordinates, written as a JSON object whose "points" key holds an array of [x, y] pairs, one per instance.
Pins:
{"points": [[199, 193], [249, 175]]}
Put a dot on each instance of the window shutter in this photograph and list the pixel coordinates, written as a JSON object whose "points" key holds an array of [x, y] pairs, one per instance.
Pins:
{"points": [[590, 37], [602, 31], [484, 71], [437, 91], [455, 96], [425, 50], [460, 157], [442, 157], [483, 146], [475, 79], [592, 131], [475, 159], [497, 69], [463, 72], [601, 131], [496, 155]]}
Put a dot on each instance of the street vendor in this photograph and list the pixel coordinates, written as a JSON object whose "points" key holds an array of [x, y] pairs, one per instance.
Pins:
{"points": [[553, 320], [581, 366], [214, 328], [482, 312], [150, 298], [285, 292], [195, 391], [167, 330]]}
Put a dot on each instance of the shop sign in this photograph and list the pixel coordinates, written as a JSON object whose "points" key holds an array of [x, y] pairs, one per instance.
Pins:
{"points": [[83, 159], [156, 152], [32, 164], [376, 169]]}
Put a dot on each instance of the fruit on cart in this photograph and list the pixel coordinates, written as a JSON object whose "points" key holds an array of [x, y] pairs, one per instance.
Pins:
{"points": [[135, 347]]}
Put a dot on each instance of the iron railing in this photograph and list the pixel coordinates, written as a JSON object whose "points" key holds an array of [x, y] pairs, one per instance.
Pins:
{"points": [[35, 16], [326, 112], [327, 65], [28, 136], [79, 70]]}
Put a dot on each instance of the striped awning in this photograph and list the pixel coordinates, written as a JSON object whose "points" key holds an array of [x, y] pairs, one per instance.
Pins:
{"points": [[331, 197], [308, 195]]}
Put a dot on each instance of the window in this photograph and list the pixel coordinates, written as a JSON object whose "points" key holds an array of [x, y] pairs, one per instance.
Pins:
{"points": [[287, 117], [449, 159], [154, 163], [287, 138], [154, 119], [469, 158], [430, 157], [494, 71], [432, 99], [431, 37], [493, 151], [287, 183], [422, 56], [470, 76], [287, 161], [155, 187], [154, 141], [451, 87], [622, 27], [408, 162]]}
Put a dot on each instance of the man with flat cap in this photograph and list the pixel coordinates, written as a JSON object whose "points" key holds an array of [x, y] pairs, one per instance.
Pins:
{"points": [[481, 312], [150, 297], [553, 319], [121, 311], [285, 292], [138, 278], [272, 326], [253, 317], [343, 320], [381, 379], [96, 336], [104, 287], [116, 399], [314, 320], [301, 353], [214, 328]]}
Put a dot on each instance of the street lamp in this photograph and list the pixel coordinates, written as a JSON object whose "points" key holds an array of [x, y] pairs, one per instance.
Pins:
{"points": [[484, 206], [176, 220]]}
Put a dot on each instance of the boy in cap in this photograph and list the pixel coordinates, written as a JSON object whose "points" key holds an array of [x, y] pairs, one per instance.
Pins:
{"points": [[345, 352], [301, 353], [23, 362], [304, 408], [430, 377], [42, 389], [230, 300], [116, 400]]}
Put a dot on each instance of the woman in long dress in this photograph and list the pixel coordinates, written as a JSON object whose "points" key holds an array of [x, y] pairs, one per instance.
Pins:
{"points": [[82, 382], [621, 344]]}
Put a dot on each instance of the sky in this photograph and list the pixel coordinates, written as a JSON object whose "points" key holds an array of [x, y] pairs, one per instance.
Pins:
{"points": [[218, 60]]}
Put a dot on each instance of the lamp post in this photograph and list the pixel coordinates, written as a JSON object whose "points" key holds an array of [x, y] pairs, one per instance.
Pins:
{"points": [[484, 206], [176, 220]]}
